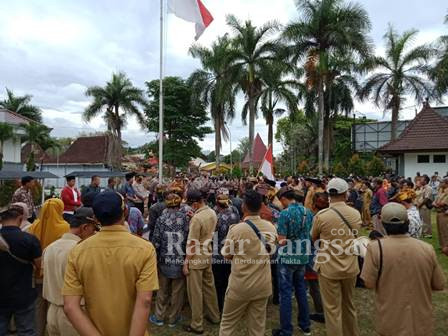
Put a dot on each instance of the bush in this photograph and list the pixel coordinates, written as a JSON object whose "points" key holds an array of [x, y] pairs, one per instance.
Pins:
{"points": [[356, 166], [375, 167], [303, 168], [7, 189], [339, 170]]}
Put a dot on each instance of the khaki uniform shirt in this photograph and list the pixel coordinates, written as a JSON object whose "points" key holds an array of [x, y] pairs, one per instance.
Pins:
{"points": [[425, 192], [442, 200], [335, 239], [108, 269], [54, 261], [202, 228], [403, 293], [250, 278]]}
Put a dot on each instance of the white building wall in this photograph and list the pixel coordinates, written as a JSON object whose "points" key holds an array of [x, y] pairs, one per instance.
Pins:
{"points": [[11, 150], [62, 170], [411, 166]]}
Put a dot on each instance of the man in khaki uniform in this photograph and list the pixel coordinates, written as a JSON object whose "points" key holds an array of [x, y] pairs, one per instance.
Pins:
{"points": [[198, 264], [314, 186], [337, 269], [422, 198], [404, 271], [54, 261], [250, 283], [441, 205]]}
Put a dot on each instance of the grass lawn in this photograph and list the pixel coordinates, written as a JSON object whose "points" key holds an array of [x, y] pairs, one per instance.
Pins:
{"points": [[363, 301]]}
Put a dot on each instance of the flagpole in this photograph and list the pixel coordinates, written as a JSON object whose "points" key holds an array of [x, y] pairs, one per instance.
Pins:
{"points": [[161, 97]]}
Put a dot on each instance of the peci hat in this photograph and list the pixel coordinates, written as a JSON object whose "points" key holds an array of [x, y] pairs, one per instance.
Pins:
{"points": [[83, 215], [283, 191], [337, 186], [314, 180], [394, 213]]}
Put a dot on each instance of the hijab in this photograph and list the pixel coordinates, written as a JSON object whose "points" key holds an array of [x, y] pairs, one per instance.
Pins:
{"points": [[50, 225]]}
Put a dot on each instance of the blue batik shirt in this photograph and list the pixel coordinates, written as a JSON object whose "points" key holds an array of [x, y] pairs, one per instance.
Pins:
{"points": [[295, 224]]}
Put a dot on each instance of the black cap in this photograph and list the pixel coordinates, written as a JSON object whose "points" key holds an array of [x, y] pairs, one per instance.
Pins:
{"points": [[27, 179], [194, 195], [87, 198], [82, 215], [108, 207]]}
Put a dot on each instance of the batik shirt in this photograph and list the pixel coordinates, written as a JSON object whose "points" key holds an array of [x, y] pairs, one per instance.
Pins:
{"points": [[24, 196], [415, 222], [226, 218], [169, 239], [295, 224]]}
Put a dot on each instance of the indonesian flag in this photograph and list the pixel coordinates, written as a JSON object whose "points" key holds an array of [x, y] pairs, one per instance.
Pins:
{"points": [[267, 165], [192, 11]]}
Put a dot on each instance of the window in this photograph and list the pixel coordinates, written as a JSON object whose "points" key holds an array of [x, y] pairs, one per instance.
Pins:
{"points": [[422, 158], [439, 159]]}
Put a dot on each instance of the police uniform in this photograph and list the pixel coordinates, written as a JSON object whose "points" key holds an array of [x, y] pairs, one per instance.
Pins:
{"points": [[441, 203], [425, 213], [200, 283], [337, 275], [250, 283], [409, 273]]}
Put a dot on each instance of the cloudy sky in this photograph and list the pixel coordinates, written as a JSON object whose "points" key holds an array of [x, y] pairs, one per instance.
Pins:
{"points": [[55, 49]]}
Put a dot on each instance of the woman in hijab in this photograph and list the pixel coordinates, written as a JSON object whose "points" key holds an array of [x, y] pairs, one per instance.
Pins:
{"points": [[49, 227]]}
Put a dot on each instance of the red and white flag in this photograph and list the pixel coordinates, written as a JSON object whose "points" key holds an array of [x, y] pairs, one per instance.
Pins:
{"points": [[267, 165], [192, 11]]}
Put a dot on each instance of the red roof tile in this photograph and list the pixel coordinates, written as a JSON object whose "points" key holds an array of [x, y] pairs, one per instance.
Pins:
{"points": [[86, 150], [39, 154], [427, 132], [258, 150]]}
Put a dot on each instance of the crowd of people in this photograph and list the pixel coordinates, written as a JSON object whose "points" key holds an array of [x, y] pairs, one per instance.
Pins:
{"points": [[93, 261]]}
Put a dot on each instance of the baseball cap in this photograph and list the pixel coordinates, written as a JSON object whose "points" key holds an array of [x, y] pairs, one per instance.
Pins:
{"points": [[394, 213], [108, 207], [337, 186], [82, 215]]}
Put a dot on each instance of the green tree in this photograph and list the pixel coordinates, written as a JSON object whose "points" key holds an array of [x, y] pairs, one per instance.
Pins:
{"points": [[440, 72], [213, 86], [356, 166], [21, 105], [116, 101], [244, 147], [402, 72], [325, 27], [251, 49], [184, 119], [35, 134], [6, 133], [375, 166], [339, 170]]}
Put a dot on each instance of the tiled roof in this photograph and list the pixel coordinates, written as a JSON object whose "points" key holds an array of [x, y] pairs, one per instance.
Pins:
{"points": [[427, 132], [39, 154], [86, 150], [258, 150]]}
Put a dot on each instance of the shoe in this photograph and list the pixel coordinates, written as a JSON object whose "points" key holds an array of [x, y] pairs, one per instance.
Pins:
{"points": [[176, 321], [277, 332], [189, 329], [154, 320], [306, 332], [319, 318]]}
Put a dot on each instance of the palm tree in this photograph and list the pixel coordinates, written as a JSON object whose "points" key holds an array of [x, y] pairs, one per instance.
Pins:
{"points": [[21, 105], [35, 134], [440, 71], [401, 72], [276, 88], [326, 26], [213, 86], [251, 50], [117, 100], [6, 133]]}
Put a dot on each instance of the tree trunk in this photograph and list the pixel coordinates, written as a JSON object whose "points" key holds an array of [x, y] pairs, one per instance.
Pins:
{"points": [[251, 129], [120, 145], [321, 125], [270, 121], [327, 141], [217, 142], [1, 155], [393, 126]]}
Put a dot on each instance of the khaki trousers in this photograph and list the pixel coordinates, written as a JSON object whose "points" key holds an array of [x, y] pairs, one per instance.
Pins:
{"points": [[442, 229], [170, 298], [339, 309], [425, 213], [202, 297], [41, 310], [58, 323], [235, 310]]}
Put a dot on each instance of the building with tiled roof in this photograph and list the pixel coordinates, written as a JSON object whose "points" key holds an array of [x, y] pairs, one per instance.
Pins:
{"points": [[422, 146], [259, 150]]}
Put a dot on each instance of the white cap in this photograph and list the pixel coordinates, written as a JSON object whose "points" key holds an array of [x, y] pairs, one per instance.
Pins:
{"points": [[337, 186]]}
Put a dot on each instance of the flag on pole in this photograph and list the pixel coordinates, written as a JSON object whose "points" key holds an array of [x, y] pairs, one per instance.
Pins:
{"points": [[192, 11], [267, 165]]}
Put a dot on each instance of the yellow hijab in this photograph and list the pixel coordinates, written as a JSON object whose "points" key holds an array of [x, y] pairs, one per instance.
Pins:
{"points": [[50, 225]]}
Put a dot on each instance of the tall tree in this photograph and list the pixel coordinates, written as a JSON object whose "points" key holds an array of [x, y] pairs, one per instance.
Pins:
{"points": [[401, 72], [324, 27], [276, 88], [183, 121], [213, 86], [6, 133], [21, 105], [118, 100], [440, 72], [252, 48], [35, 134]]}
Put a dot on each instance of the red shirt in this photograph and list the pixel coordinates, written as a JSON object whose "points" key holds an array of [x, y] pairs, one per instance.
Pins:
{"points": [[68, 198]]}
